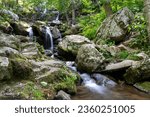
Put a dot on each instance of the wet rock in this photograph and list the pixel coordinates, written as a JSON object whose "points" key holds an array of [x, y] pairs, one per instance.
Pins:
{"points": [[139, 72], [61, 95], [70, 45], [5, 69], [89, 59], [103, 80], [56, 33], [143, 86], [20, 28], [116, 26]]}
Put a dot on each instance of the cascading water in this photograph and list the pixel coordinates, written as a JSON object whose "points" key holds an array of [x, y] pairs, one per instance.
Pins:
{"points": [[97, 86], [48, 39], [56, 21], [88, 81], [30, 30]]}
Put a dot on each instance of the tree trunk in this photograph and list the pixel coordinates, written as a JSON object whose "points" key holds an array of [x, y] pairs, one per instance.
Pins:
{"points": [[73, 12], [107, 7], [147, 16]]}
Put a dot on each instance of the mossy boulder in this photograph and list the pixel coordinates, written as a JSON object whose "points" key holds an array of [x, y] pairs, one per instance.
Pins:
{"points": [[71, 44], [7, 40], [55, 73], [143, 86], [5, 27], [20, 28], [139, 72], [116, 26], [90, 59], [22, 69]]}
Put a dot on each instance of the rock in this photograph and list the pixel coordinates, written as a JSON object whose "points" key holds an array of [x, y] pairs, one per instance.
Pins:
{"points": [[8, 52], [9, 41], [89, 59], [30, 50], [9, 13], [56, 33], [70, 45], [21, 28], [5, 27], [55, 73], [103, 80], [5, 69], [25, 90], [142, 55], [116, 26], [139, 72], [143, 86], [22, 69], [61, 95], [120, 66]]}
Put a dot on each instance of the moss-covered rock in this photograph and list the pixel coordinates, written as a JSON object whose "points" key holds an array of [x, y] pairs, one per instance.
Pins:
{"points": [[22, 69], [20, 28], [143, 86], [90, 59], [7, 40], [70, 45], [137, 73], [116, 26], [25, 90]]}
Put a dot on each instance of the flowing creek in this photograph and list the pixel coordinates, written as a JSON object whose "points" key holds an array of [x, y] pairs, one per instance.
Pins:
{"points": [[99, 87]]}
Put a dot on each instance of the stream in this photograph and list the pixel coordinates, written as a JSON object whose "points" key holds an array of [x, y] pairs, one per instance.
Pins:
{"points": [[99, 87]]}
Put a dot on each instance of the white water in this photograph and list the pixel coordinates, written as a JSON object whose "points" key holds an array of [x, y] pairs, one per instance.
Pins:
{"points": [[30, 30], [102, 87], [49, 39]]}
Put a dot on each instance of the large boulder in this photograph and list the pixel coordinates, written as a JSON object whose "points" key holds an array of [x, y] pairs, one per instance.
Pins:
{"points": [[89, 58], [71, 44], [9, 41], [5, 27], [20, 28], [5, 68], [56, 74], [116, 26], [139, 72]]}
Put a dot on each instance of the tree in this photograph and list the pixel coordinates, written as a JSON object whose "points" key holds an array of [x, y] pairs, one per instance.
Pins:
{"points": [[147, 16], [107, 7]]}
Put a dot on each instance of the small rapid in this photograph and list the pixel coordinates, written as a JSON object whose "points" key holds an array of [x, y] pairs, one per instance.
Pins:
{"points": [[99, 87]]}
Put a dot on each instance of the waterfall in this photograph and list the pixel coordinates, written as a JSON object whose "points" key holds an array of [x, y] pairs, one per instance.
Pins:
{"points": [[30, 31], [48, 39], [56, 21], [57, 18]]}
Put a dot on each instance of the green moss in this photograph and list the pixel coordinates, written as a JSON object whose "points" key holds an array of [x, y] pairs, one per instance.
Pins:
{"points": [[31, 91], [22, 69], [144, 86]]}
